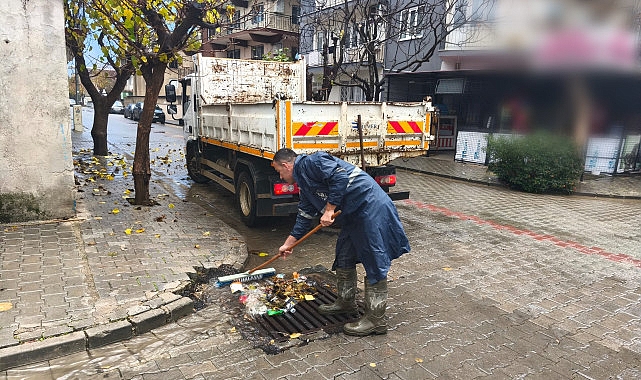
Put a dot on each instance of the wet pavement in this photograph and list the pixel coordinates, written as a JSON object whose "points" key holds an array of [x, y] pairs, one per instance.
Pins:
{"points": [[499, 284]]}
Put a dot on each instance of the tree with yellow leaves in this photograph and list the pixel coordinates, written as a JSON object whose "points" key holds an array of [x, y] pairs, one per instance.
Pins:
{"points": [[148, 34]]}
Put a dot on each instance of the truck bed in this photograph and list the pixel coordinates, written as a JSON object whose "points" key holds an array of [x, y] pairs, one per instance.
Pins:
{"points": [[389, 130]]}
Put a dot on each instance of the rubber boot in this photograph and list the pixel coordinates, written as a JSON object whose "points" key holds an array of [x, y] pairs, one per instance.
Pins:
{"points": [[346, 300], [373, 322]]}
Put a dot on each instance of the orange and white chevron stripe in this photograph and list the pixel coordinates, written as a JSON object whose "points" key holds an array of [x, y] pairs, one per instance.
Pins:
{"points": [[315, 128], [404, 126]]}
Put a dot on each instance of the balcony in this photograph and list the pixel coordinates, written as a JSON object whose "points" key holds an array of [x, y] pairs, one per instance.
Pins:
{"points": [[260, 23], [351, 55]]}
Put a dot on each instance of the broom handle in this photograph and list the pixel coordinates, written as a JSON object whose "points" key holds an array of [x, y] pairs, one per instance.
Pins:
{"points": [[310, 233]]}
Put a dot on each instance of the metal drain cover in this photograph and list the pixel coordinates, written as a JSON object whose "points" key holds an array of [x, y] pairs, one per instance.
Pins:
{"points": [[307, 319]]}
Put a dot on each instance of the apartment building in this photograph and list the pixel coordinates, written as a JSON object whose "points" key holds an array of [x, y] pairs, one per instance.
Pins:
{"points": [[256, 29], [561, 65]]}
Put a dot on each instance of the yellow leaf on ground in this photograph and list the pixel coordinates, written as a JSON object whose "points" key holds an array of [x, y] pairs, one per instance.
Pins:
{"points": [[372, 364], [447, 268], [171, 205], [115, 211], [206, 233], [140, 230], [309, 297], [157, 235], [4, 306], [294, 335], [419, 360], [128, 231], [197, 246]]}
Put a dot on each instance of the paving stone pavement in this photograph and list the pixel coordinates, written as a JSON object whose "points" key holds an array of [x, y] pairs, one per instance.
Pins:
{"points": [[541, 292]]}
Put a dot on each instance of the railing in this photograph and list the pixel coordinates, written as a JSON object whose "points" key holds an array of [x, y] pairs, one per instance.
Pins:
{"points": [[262, 20], [471, 36], [350, 55]]}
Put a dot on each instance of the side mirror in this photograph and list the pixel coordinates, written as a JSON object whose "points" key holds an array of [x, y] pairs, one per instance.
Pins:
{"points": [[172, 109], [170, 93]]}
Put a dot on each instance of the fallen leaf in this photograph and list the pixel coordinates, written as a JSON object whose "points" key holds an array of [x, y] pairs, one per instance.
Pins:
{"points": [[447, 268], [419, 360], [294, 335], [4, 306], [232, 330], [115, 211], [263, 254], [171, 205], [157, 235], [128, 231], [309, 297], [206, 233], [140, 230], [197, 246], [372, 364]]}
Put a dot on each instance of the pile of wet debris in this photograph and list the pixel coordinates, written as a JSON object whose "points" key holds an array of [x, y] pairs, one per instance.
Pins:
{"points": [[274, 295], [278, 312]]}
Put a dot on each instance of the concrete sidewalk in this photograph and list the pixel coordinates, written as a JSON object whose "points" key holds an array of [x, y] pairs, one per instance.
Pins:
{"points": [[115, 270], [443, 164]]}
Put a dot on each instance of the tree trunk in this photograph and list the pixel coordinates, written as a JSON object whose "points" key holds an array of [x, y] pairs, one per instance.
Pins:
{"points": [[154, 77], [99, 130]]}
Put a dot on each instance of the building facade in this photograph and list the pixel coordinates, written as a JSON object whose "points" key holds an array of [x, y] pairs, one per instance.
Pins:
{"points": [[36, 175], [568, 66], [257, 29]]}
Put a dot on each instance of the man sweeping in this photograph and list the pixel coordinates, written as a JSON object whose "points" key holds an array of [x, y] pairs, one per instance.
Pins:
{"points": [[371, 233]]}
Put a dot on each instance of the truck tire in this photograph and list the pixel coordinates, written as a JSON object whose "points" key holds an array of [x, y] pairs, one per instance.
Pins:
{"points": [[193, 165], [246, 199]]}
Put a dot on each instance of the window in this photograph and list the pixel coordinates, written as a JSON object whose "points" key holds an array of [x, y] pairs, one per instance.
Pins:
{"points": [[234, 22], [320, 41], [235, 54], [410, 23], [351, 94], [258, 51], [295, 14], [259, 14]]}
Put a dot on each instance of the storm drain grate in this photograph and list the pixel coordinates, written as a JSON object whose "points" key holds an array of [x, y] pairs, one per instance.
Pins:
{"points": [[307, 319]]}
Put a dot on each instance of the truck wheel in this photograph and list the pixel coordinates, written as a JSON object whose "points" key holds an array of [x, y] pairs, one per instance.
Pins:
{"points": [[193, 165], [246, 199]]}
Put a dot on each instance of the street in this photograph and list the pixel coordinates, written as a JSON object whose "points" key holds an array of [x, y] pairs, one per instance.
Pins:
{"points": [[498, 285]]}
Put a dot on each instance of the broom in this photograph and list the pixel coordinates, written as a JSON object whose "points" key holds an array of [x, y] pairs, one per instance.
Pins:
{"points": [[258, 273]]}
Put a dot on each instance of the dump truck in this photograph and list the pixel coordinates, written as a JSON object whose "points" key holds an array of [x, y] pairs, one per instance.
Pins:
{"points": [[236, 114]]}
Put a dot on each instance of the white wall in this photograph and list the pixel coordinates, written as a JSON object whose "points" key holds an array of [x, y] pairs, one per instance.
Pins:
{"points": [[36, 170]]}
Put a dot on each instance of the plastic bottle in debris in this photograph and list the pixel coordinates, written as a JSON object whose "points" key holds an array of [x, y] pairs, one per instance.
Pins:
{"points": [[254, 305]]}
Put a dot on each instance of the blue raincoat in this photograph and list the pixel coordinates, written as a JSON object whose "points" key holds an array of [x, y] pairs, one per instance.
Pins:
{"points": [[371, 231]]}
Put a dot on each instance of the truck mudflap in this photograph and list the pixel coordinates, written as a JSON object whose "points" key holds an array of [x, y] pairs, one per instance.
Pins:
{"points": [[283, 209], [399, 196]]}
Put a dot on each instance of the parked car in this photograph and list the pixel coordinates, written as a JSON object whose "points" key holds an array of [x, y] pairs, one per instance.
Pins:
{"points": [[128, 111], [159, 115], [136, 111], [117, 107]]}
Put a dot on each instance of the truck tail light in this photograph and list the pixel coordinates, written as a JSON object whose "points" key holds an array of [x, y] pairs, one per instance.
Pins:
{"points": [[285, 189], [386, 180]]}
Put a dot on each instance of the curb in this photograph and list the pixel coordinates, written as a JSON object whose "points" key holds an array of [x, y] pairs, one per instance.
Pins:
{"points": [[92, 337]]}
